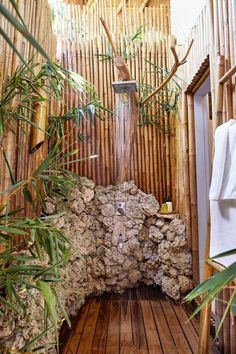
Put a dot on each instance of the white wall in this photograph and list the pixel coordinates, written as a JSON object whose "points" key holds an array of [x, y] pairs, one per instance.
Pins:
{"points": [[183, 17], [202, 163]]}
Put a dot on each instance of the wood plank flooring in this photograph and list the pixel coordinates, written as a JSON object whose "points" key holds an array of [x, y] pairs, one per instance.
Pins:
{"points": [[140, 321]]}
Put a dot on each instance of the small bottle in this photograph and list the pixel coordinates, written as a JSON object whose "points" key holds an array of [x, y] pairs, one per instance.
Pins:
{"points": [[164, 208], [169, 205]]}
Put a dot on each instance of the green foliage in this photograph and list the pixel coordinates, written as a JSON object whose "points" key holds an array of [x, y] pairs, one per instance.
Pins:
{"points": [[22, 90], [92, 110], [166, 101], [32, 248], [210, 288]]}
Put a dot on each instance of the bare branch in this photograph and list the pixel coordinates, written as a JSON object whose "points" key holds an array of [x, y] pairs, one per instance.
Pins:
{"points": [[124, 73], [109, 36], [174, 69]]}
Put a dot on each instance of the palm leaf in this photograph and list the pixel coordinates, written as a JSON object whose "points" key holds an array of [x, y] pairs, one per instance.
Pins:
{"points": [[225, 254]]}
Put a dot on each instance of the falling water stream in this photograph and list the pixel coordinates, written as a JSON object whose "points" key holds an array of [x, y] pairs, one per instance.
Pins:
{"points": [[122, 148]]}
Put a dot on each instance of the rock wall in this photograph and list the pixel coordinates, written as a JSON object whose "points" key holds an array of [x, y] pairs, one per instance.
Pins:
{"points": [[124, 240], [120, 240]]}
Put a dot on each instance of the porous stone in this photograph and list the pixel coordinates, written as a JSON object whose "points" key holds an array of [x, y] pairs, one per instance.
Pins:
{"points": [[87, 194], [185, 283], [171, 287], [111, 252], [155, 235]]}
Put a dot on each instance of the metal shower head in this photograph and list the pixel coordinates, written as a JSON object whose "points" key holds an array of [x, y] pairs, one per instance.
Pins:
{"points": [[125, 86]]}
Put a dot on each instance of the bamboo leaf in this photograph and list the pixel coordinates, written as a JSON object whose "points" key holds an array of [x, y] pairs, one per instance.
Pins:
{"points": [[8, 40], [36, 339], [12, 230], [44, 165], [49, 298], [225, 254], [13, 182], [23, 30], [27, 195], [17, 11]]}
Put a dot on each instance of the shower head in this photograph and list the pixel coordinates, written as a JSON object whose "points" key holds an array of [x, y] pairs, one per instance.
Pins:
{"points": [[125, 86]]}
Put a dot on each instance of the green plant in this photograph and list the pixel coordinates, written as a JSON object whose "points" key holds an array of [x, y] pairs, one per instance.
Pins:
{"points": [[127, 51], [210, 288], [32, 249], [22, 90]]}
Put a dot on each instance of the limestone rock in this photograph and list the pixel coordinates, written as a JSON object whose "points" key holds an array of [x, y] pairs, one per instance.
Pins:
{"points": [[171, 287], [111, 252], [88, 183], [135, 276], [155, 235], [108, 210], [87, 194], [185, 283]]}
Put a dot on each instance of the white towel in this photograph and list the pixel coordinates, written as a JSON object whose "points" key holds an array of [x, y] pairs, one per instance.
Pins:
{"points": [[223, 193], [223, 229], [221, 161], [229, 187]]}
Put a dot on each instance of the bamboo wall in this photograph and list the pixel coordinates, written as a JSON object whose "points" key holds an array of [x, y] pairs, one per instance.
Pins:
{"points": [[214, 54], [15, 142], [153, 164]]}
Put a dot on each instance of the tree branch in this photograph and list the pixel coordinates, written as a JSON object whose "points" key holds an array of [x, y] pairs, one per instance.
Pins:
{"points": [[174, 69]]}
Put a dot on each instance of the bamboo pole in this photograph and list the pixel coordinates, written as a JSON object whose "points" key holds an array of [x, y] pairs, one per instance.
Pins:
{"points": [[186, 176], [193, 188], [39, 119]]}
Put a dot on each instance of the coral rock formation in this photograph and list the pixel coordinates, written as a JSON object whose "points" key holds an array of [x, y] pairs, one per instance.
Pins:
{"points": [[119, 240]]}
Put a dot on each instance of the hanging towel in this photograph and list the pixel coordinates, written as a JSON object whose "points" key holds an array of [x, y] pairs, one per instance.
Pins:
{"points": [[223, 193], [229, 187], [221, 161], [223, 229]]}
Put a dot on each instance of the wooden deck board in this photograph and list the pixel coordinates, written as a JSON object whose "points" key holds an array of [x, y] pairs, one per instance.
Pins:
{"points": [[113, 333], [139, 335], [153, 342], [140, 321], [100, 336], [163, 329], [86, 340], [126, 333]]}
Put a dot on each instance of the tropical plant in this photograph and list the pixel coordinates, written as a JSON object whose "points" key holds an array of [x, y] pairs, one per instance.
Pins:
{"points": [[209, 289], [22, 90], [32, 248], [167, 99]]}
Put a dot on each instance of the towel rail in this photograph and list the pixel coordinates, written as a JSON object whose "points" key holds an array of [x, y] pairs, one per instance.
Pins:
{"points": [[227, 75]]}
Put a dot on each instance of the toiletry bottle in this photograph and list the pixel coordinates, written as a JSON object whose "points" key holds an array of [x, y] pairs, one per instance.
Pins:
{"points": [[163, 206], [169, 205]]}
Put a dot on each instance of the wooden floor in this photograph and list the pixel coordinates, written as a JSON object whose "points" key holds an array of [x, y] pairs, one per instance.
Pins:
{"points": [[140, 321]]}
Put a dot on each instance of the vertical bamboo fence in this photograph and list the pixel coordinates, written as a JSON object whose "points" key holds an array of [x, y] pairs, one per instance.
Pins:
{"points": [[214, 54], [83, 44], [16, 141]]}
